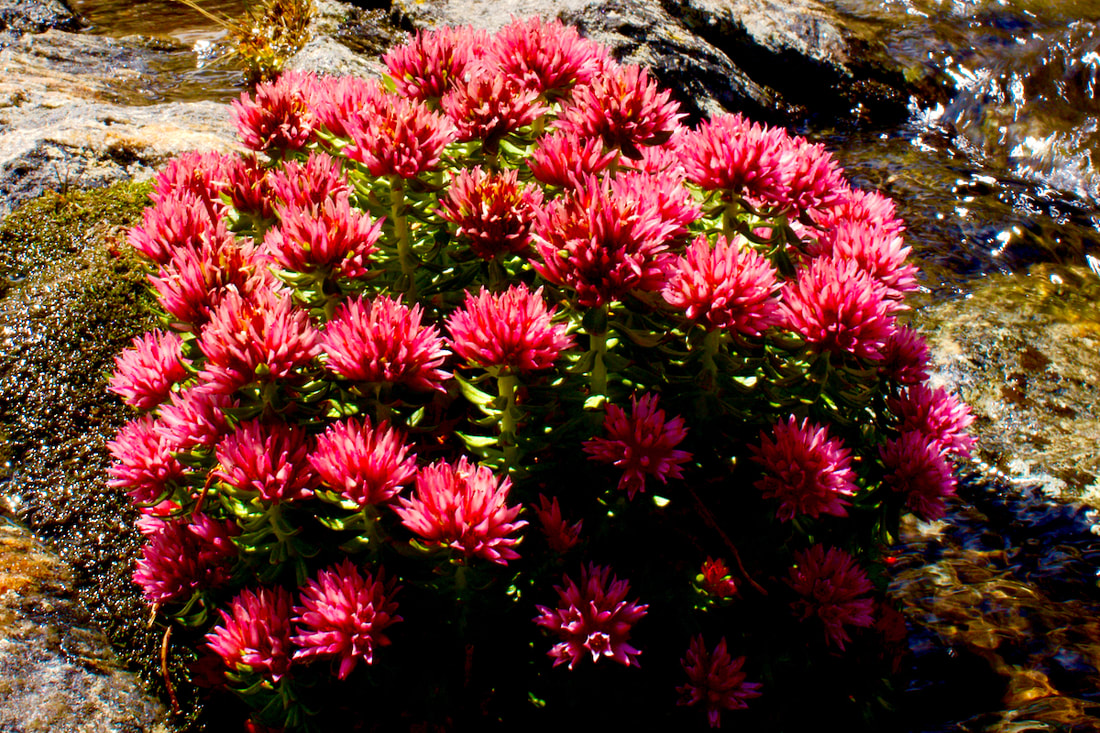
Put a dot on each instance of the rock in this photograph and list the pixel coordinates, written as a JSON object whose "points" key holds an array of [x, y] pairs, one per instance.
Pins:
{"points": [[782, 62], [74, 112], [346, 40], [58, 674], [1024, 352], [22, 16]]}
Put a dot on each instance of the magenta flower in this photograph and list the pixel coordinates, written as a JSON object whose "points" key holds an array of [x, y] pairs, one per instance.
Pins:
{"points": [[806, 470], [194, 417], [487, 104], [199, 175], [561, 537], [463, 507], [343, 615], [330, 236], [832, 589], [512, 332], [182, 557], [604, 239], [714, 578], [364, 464], [625, 108], [146, 372], [715, 680], [728, 153], [905, 358], [547, 56], [401, 138], [258, 339], [338, 100], [433, 61], [878, 252], [255, 635], [308, 185], [565, 159], [177, 221], [492, 212], [916, 467], [144, 465], [815, 180], [852, 205], [837, 307], [592, 618], [643, 444], [192, 283], [279, 119], [248, 189], [382, 341], [936, 413], [729, 286], [266, 459]]}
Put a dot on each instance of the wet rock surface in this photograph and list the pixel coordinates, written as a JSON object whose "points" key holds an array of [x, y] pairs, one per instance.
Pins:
{"points": [[58, 673], [35, 16]]}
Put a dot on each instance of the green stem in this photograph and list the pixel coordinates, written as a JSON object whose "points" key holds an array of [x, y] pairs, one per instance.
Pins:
{"points": [[597, 378], [506, 388], [404, 240]]}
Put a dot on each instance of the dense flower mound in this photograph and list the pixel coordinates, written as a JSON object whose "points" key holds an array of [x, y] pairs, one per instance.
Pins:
{"points": [[500, 316]]}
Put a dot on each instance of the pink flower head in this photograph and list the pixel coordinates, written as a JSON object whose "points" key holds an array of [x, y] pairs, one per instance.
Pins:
{"points": [[177, 221], [144, 465], [402, 137], [192, 283], [364, 464], [916, 467], [729, 286], [838, 307], [625, 108], [266, 459], [715, 680], [195, 418], [856, 206], [666, 193], [146, 372], [463, 507], [248, 188], [728, 153], [806, 470], [332, 236], [936, 413], [815, 180], [433, 61], [565, 159], [492, 212], [343, 615], [201, 175], [383, 341], [604, 239], [643, 444], [337, 101], [510, 331], [279, 119], [831, 584], [311, 184], [906, 356], [716, 580], [547, 56], [561, 536], [258, 339], [881, 253], [255, 635], [592, 618], [182, 557], [487, 105]]}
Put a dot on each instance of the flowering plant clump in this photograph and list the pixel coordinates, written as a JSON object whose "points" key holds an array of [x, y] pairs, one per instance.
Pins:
{"points": [[487, 391]]}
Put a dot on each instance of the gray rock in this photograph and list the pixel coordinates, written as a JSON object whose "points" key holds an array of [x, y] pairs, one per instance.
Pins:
{"points": [[57, 673], [782, 62], [22, 16]]}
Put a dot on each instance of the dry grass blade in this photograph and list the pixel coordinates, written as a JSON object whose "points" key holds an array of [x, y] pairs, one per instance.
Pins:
{"points": [[267, 36]]}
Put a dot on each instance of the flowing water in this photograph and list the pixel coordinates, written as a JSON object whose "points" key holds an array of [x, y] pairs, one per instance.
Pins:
{"points": [[1000, 185]]}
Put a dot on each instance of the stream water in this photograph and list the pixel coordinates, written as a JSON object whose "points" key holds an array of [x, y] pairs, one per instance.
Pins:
{"points": [[999, 185]]}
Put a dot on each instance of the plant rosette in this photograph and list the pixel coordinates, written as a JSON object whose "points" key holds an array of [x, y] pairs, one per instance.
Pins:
{"points": [[490, 391]]}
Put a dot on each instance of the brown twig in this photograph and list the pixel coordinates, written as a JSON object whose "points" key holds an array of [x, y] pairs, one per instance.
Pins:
{"points": [[711, 522], [164, 672]]}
